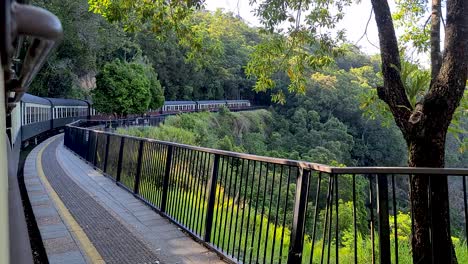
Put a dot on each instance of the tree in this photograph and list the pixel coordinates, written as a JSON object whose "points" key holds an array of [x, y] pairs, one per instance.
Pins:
{"points": [[124, 88], [424, 126]]}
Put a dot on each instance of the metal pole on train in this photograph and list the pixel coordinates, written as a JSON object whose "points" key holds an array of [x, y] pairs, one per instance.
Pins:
{"points": [[4, 234]]}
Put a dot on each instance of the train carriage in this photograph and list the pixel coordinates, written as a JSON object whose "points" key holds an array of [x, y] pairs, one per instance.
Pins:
{"points": [[211, 104], [65, 111], [178, 106], [35, 114], [238, 104]]}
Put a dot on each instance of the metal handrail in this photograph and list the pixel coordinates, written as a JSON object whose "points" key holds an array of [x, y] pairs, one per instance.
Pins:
{"points": [[300, 164], [171, 177]]}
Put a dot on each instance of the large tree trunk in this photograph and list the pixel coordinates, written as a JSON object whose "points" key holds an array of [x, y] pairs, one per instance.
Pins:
{"points": [[431, 240], [425, 125]]}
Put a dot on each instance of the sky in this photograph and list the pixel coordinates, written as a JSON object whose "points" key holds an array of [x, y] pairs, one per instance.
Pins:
{"points": [[354, 21]]}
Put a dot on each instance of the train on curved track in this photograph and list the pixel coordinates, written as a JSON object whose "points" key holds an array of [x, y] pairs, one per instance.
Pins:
{"points": [[35, 115]]}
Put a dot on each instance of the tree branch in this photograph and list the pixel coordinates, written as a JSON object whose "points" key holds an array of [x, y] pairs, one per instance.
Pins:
{"points": [[447, 90], [436, 57], [393, 91]]}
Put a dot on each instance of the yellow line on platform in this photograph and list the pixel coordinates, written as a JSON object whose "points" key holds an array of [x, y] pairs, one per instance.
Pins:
{"points": [[85, 244]]}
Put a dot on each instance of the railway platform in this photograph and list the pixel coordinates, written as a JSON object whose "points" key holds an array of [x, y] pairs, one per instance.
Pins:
{"points": [[84, 217]]}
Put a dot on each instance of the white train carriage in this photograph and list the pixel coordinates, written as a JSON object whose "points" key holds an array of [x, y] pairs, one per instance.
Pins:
{"points": [[179, 106]]}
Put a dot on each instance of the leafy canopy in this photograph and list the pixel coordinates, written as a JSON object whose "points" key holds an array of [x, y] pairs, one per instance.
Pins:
{"points": [[126, 88]]}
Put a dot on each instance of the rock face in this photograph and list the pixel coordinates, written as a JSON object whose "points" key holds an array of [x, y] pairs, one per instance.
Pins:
{"points": [[88, 82]]}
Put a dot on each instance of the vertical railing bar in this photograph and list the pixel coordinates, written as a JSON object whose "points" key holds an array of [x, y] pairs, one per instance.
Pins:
{"points": [[299, 217], [233, 206], [238, 208], [167, 173], [211, 199], [227, 204], [269, 214], [243, 207], [206, 166], [331, 219], [96, 150], [326, 218], [187, 186], [395, 226], [159, 166], [106, 155], [336, 216], [382, 211], [248, 214], [277, 216], [263, 212], [146, 183], [155, 172], [174, 208], [314, 228], [255, 215], [176, 183], [466, 211], [226, 173], [195, 203], [355, 220], [136, 185], [222, 184], [194, 192], [284, 214], [371, 205], [119, 164], [150, 156], [180, 183]]}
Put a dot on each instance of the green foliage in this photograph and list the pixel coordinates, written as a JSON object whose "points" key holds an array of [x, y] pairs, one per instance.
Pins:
{"points": [[412, 17], [88, 42], [122, 88]]}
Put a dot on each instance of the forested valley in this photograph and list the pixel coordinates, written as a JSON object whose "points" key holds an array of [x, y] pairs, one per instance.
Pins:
{"points": [[335, 120]]}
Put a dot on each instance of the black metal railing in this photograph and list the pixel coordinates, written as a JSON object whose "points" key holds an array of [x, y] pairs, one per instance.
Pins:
{"points": [[254, 209]]}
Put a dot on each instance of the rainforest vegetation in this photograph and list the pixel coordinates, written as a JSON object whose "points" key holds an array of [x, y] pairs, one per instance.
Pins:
{"points": [[325, 100]]}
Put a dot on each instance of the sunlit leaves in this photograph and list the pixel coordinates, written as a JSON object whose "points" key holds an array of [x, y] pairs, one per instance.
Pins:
{"points": [[412, 18], [300, 41], [159, 16]]}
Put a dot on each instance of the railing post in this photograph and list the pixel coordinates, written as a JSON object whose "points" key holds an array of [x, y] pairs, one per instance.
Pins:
{"points": [[211, 199], [139, 165], [167, 173], [299, 217], [384, 226], [119, 164], [95, 149], [106, 155]]}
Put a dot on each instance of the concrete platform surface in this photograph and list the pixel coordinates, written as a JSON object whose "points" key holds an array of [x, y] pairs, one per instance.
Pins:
{"points": [[84, 217]]}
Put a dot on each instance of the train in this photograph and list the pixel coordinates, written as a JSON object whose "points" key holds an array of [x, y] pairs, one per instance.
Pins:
{"points": [[208, 105], [36, 115]]}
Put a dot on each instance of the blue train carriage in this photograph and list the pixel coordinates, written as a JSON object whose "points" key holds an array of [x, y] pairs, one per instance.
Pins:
{"points": [[178, 106], [211, 105], [35, 116], [237, 104], [66, 111]]}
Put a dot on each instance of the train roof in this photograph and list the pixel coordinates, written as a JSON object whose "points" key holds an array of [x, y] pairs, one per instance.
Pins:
{"points": [[178, 102], [234, 101], [29, 98], [67, 102], [211, 101]]}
